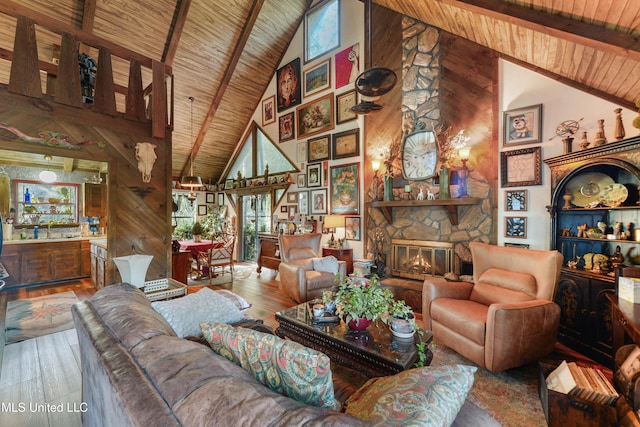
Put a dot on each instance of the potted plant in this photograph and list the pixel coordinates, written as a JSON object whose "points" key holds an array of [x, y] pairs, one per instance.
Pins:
{"points": [[402, 320], [197, 231], [360, 301]]}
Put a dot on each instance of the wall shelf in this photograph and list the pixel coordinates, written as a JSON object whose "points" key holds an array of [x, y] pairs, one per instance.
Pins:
{"points": [[451, 206]]}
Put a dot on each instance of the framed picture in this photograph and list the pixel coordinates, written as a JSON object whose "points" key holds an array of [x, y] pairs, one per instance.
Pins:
{"points": [[523, 125], [319, 148], [292, 197], [321, 29], [268, 110], [347, 63], [345, 194], [316, 116], [346, 144], [283, 209], [516, 245], [301, 151], [202, 210], [515, 200], [515, 226], [303, 202], [287, 127], [344, 102], [352, 228], [314, 175], [301, 180], [317, 79], [210, 198], [228, 184], [318, 201], [221, 199], [292, 211], [289, 88], [521, 167]]}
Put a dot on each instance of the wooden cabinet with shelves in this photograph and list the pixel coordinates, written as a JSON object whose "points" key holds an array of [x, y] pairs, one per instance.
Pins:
{"points": [[98, 265], [582, 184], [95, 199]]}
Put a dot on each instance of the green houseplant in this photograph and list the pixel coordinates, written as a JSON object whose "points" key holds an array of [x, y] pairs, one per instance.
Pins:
{"points": [[358, 299], [197, 231]]}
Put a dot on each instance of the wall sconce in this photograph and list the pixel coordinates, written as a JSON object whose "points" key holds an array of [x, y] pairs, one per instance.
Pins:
{"points": [[375, 165], [464, 153]]}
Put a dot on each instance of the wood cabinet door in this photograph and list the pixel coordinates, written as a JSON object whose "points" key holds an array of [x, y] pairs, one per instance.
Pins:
{"points": [[66, 263], [95, 200], [36, 266]]}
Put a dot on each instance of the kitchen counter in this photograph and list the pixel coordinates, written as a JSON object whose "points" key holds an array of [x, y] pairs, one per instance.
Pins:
{"points": [[52, 240]]}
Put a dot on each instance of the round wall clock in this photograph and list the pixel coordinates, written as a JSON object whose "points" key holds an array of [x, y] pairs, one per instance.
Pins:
{"points": [[419, 155]]}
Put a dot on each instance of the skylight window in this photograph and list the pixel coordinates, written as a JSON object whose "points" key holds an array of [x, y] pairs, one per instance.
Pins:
{"points": [[321, 29]]}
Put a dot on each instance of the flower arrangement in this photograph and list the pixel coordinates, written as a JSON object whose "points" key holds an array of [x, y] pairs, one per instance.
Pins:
{"points": [[448, 145], [345, 180], [315, 117]]}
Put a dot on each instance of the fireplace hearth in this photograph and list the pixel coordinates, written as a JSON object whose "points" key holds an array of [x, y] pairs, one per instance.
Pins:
{"points": [[419, 259]]}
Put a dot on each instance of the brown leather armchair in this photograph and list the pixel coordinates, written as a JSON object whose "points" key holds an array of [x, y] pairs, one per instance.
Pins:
{"points": [[507, 317], [298, 280]]}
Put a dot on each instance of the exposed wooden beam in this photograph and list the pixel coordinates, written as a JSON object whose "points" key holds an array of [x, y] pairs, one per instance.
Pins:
{"points": [[590, 35], [179, 19], [88, 18], [226, 78], [67, 165], [15, 9]]}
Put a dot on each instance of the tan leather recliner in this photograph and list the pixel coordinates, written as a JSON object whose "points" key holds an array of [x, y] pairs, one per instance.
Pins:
{"points": [[298, 280], [507, 317]]}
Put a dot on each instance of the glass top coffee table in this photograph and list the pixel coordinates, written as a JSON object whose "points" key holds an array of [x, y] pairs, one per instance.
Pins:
{"points": [[374, 352]]}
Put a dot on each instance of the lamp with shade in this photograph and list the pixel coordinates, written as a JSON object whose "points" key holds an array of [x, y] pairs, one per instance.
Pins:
{"points": [[331, 222], [464, 154], [191, 181]]}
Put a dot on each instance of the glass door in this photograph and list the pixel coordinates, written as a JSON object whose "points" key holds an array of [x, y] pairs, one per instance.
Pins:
{"points": [[256, 218]]}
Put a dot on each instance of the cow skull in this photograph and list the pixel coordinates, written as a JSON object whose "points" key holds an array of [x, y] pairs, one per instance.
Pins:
{"points": [[146, 156]]}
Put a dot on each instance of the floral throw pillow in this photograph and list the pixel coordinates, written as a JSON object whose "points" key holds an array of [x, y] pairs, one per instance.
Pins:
{"points": [[429, 396], [284, 366]]}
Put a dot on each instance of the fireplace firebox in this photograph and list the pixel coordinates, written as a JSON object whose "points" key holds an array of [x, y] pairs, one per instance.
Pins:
{"points": [[419, 259]]}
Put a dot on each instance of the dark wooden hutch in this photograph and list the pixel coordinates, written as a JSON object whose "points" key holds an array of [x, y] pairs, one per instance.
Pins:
{"points": [[582, 178]]}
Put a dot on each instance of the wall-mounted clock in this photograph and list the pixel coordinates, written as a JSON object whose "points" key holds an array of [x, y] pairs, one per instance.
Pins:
{"points": [[419, 155]]}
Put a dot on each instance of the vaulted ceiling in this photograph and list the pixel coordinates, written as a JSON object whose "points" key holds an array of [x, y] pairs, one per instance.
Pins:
{"points": [[224, 53]]}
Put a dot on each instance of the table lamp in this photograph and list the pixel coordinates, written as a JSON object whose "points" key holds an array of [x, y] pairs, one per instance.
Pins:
{"points": [[332, 222]]}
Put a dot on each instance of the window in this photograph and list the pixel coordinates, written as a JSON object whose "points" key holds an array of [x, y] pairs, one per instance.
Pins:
{"points": [[321, 29]]}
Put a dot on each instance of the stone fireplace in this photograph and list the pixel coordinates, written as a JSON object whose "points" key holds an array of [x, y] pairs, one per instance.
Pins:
{"points": [[419, 259]]}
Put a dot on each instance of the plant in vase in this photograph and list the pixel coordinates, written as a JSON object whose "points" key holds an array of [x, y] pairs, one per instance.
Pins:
{"points": [[197, 231], [402, 319], [448, 147], [360, 301]]}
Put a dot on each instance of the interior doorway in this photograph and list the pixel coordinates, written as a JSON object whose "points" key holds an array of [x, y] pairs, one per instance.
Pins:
{"points": [[255, 218]]}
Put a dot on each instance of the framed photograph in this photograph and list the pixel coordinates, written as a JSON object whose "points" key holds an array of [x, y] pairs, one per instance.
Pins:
{"points": [[346, 144], [289, 88], [316, 116], [287, 127], [347, 63], [515, 200], [210, 198], [292, 197], [303, 202], [345, 194], [352, 228], [202, 210], [228, 184], [292, 211], [515, 226], [318, 148], [521, 167], [301, 180], [283, 209], [268, 111], [301, 151], [344, 102], [318, 78], [318, 201], [314, 175], [523, 125], [321, 29], [221, 199]]}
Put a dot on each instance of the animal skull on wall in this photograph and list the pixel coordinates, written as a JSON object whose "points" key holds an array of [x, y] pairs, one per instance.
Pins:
{"points": [[146, 156]]}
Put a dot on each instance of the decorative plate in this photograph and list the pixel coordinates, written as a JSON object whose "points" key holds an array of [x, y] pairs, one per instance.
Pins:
{"points": [[614, 195], [587, 187]]}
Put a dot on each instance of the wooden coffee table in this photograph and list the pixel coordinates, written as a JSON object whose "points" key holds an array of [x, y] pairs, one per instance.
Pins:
{"points": [[374, 352]]}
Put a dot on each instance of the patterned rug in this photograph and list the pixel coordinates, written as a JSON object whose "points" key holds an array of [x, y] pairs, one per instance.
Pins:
{"points": [[239, 272], [34, 317]]}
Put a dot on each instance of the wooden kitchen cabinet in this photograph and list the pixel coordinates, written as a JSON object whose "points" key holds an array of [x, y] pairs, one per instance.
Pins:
{"points": [[95, 199], [98, 265]]}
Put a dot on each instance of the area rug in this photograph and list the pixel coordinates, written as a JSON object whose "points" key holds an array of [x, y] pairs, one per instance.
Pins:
{"points": [[239, 273], [34, 317]]}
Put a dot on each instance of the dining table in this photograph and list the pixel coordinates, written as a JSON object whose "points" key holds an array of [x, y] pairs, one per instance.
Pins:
{"points": [[195, 248]]}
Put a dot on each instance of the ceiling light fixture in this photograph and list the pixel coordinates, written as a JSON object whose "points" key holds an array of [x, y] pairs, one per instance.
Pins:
{"points": [[47, 175], [191, 181]]}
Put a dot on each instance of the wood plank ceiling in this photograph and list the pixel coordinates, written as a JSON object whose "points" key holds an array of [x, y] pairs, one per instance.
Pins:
{"points": [[224, 53]]}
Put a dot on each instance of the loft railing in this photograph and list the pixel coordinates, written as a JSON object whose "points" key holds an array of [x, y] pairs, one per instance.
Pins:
{"points": [[63, 79]]}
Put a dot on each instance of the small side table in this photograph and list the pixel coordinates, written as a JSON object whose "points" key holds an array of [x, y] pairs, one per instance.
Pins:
{"points": [[180, 263], [345, 255]]}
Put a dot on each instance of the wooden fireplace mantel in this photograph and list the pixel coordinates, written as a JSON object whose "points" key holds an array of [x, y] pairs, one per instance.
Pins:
{"points": [[451, 206]]}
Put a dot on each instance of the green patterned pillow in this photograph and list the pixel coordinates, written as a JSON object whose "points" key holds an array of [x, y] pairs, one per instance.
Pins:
{"points": [[286, 367], [429, 396]]}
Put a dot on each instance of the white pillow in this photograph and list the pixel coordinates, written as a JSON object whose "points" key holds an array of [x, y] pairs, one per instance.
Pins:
{"points": [[185, 314], [328, 264]]}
